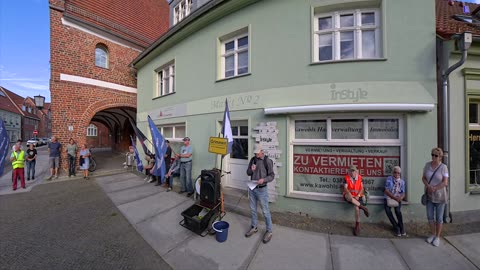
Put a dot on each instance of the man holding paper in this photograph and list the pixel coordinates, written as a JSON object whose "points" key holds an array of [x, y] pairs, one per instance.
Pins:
{"points": [[260, 170]]}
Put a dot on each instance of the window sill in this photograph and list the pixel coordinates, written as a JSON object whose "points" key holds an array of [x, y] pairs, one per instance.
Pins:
{"points": [[474, 191], [376, 200], [106, 68], [234, 77], [163, 95], [348, 61]]}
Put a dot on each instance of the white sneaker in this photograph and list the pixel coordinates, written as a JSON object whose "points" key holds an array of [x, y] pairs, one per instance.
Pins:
{"points": [[436, 242], [146, 178], [430, 239], [151, 180]]}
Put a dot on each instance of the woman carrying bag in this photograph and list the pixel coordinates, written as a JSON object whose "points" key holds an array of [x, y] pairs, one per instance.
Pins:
{"points": [[435, 179], [394, 194]]}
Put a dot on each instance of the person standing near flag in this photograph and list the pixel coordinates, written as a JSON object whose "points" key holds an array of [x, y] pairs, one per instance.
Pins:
{"points": [[18, 163], [185, 156]]}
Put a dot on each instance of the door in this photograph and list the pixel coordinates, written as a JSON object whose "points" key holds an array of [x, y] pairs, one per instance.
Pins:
{"points": [[237, 161]]}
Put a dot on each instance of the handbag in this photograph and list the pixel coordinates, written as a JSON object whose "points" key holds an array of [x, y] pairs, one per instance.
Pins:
{"points": [[391, 202], [424, 196]]}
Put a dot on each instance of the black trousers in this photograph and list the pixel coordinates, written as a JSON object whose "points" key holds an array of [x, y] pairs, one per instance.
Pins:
{"points": [[71, 165]]}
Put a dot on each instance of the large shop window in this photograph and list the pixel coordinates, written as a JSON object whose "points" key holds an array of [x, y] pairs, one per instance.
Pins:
{"points": [[346, 35], [473, 182], [323, 149]]}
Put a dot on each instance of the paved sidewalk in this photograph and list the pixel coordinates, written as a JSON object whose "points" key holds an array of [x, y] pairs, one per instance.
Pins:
{"points": [[156, 214]]}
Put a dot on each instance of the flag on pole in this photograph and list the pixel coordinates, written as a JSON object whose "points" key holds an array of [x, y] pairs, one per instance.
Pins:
{"points": [[227, 128], [160, 147], [141, 137], [137, 156], [4, 142]]}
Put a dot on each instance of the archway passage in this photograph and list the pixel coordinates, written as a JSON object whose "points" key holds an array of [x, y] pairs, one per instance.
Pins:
{"points": [[111, 128]]}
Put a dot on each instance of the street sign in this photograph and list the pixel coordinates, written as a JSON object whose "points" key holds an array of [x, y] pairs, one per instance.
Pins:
{"points": [[218, 145], [35, 132]]}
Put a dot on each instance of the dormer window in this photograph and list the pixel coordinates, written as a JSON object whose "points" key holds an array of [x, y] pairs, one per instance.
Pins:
{"points": [[181, 10]]}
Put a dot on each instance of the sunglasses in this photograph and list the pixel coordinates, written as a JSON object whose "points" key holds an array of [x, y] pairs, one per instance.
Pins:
{"points": [[433, 155]]}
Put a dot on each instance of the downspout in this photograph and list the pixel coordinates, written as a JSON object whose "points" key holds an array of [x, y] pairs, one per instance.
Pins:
{"points": [[465, 40]]}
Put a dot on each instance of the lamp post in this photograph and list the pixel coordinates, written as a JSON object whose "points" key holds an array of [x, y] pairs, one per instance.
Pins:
{"points": [[39, 101]]}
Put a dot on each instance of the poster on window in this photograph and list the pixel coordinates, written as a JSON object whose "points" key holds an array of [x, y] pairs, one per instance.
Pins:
{"points": [[321, 169]]}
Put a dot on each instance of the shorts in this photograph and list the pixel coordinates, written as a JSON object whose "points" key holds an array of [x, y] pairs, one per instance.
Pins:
{"points": [[53, 162]]}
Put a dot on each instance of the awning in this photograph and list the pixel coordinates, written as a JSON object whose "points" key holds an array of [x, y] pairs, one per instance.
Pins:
{"points": [[361, 107]]}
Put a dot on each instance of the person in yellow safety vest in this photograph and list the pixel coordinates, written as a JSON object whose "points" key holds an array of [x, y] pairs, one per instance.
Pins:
{"points": [[352, 193], [18, 163]]}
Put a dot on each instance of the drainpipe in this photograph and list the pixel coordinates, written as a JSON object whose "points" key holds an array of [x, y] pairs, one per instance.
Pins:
{"points": [[464, 42]]}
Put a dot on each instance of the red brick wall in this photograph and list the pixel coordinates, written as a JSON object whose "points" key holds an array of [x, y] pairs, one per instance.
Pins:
{"points": [[74, 104]]}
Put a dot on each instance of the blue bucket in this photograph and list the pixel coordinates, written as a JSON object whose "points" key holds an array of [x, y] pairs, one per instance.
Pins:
{"points": [[221, 229]]}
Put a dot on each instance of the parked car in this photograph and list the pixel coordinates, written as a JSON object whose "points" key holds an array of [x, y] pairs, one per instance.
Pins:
{"points": [[33, 141], [41, 141]]}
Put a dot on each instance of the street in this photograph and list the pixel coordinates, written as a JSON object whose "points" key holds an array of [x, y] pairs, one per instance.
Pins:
{"points": [[69, 225]]}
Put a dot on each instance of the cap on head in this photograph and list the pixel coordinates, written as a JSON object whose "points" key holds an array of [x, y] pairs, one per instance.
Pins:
{"points": [[257, 149], [186, 139], [352, 168]]}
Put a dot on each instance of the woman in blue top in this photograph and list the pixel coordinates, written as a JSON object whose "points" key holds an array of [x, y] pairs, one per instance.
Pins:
{"points": [[84, 160], [394, 194]]}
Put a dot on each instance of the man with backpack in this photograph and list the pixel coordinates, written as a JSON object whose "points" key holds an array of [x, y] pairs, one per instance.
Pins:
{"points": [[260, 170]]}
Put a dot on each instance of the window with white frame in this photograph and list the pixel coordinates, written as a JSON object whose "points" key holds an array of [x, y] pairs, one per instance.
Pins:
{"points": [[324, 147], [92, 130], [347, 35], [235, 55], [181, 11], [166, 80], [175, 134], [101, 56]]}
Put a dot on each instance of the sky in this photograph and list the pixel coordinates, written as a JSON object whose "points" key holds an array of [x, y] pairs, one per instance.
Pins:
{"points": [[25, 47]]}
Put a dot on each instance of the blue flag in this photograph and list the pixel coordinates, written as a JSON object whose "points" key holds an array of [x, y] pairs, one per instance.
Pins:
{"points": [[137, 157], [160, 147], [227, 128], [4, 142]]}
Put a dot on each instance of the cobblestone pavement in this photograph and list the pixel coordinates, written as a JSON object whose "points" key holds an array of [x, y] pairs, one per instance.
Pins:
{"points": [[69, 225]]}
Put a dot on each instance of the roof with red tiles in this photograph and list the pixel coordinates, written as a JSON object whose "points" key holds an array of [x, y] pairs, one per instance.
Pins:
{"points": [[447, 25], [18, 101], [139, 21], [6, 103]]}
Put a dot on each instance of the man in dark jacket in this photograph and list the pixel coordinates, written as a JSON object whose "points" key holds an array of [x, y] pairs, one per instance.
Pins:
{"points": [[260, 170]]}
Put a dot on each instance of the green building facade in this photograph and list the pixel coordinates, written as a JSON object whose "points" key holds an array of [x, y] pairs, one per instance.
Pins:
{"points": [[320, 84]]}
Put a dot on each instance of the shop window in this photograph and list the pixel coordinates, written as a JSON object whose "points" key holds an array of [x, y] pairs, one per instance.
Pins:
{"points": [[323, 149], [473, 181], [346, 35]]}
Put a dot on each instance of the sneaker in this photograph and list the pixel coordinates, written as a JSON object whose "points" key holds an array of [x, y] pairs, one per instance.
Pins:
{"points": [[151, 180], [251, 232], [267, 237], [49, 178], [146, 178], [189, 194], [56, 176], [436, 242], [430, 239], [404, 234], [180, 192], [169, 189]]}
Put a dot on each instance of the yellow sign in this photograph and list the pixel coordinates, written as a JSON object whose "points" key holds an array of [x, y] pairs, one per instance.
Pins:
{"points": [[218, 145]]}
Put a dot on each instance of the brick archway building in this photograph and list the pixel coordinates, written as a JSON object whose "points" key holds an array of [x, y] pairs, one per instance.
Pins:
{"points": [[92, 43]]}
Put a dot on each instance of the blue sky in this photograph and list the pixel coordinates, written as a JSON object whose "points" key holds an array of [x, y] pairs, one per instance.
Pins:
{"points": [[25, 47]]}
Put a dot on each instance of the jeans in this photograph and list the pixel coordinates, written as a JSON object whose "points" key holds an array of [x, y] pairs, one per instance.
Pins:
{"points": [[71, 165], [31, 168], [435, 209], [186, 176], [397, 224], [260, 194]]}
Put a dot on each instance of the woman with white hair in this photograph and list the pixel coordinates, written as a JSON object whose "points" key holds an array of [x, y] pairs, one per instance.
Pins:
{"points": [[393, 196]]}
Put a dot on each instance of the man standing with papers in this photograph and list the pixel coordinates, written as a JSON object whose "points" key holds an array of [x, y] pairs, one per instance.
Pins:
{"points": [[260, 170]]}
